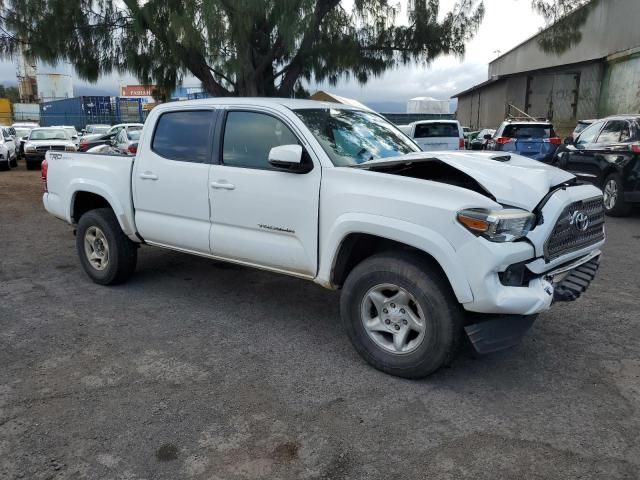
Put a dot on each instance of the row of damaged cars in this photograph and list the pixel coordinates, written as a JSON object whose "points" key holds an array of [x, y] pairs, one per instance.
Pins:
{"points": [[603, 152]]}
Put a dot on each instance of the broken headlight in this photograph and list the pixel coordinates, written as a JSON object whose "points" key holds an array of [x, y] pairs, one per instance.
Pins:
{"points": [[497, 225]]}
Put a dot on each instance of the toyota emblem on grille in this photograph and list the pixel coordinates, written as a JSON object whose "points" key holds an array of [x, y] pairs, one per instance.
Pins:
{"points": [[579, 220]]}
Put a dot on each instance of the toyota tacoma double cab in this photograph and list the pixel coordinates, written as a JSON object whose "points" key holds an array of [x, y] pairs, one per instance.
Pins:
{"points": [[427, 247]]}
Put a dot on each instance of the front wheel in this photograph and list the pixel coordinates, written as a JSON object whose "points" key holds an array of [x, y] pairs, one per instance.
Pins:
{"points": [[614, 204], [105, 252], [401, 315]]}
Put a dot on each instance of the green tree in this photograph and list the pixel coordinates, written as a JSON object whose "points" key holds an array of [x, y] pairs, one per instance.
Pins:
{"points": [[237, 47], [564, 19], [12, 93]]}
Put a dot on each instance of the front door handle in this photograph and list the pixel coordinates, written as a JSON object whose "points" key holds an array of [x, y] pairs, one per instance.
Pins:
{"points": [[148, 176], [223, 184]]}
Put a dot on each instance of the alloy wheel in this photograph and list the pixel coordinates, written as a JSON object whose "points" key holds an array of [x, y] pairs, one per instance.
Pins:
{"points": [[393, 319], [610, 194], [96, 248]]}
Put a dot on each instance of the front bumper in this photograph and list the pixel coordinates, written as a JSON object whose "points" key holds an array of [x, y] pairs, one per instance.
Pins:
{"points": [[536, 290], [493, 332], [486, 260], [571, 282], [489, 265], [34, 157]]}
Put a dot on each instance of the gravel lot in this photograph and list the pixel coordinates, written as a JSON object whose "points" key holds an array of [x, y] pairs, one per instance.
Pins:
{"points": [[201, 370]]}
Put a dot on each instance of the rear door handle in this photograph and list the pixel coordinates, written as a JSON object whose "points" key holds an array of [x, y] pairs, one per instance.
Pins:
{"points": [[148, 176], [223, 184]]}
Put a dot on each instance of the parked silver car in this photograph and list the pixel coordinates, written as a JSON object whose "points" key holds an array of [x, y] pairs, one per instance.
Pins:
{"points": [[126, 141]]}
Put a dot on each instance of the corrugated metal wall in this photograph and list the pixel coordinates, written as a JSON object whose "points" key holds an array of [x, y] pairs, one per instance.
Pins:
{"points": [[621, 86], [611, 26], [563, 95]]}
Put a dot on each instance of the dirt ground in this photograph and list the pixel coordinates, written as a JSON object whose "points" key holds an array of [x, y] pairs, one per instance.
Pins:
{"points": [[201, 370]]}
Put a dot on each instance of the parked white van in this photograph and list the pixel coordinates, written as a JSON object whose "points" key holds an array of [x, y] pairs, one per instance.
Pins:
{"points": [[433, 135]]}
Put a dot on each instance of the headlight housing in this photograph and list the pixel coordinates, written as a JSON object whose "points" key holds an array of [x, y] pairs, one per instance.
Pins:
{"points": [[29, 148], [70, 148], [497, 225]]}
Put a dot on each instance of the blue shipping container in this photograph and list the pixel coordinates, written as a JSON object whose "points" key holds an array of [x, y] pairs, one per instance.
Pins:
{"points": [[198, 95], [77, 111], [128, 110]]}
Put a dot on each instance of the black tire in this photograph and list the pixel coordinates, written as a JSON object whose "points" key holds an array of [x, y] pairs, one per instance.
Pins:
{"points": [[123, 253], [618, 207], [14, 162], [4, 166], [443, 315], [32, 165]]}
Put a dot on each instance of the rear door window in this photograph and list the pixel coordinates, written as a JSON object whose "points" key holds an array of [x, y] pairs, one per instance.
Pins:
{"points": [[434, 130], [184, 136], [613, 131], [528, 131], [589, 134]]}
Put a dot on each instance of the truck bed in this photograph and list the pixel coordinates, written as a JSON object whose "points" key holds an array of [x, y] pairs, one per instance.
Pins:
{"points": [[108, 176]]}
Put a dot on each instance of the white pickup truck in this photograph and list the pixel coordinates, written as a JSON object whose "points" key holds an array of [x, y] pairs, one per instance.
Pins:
{"points": [[426, 247]]}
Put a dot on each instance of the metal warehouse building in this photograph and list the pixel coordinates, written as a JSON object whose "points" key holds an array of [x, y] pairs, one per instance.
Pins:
{"points": [[585, 66]]}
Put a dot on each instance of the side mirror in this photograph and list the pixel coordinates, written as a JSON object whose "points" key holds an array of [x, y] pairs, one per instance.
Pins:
{"points": [[74, 137], [25, 138], [288, 158], [569, 141], [488, 136]]}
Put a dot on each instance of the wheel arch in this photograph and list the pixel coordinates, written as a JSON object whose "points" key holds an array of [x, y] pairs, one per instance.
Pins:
{"points": [[356, 244], [87, 196], [607, 171]]}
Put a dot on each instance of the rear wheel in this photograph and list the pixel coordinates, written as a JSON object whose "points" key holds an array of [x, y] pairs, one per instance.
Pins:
{"points": [[14, 161], [401, 315], [105, 252], [614, 203], [4, 166]]}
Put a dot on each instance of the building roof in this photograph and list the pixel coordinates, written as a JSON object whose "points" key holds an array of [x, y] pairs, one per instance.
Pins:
{"points": [[476, 87], [332, 97], [592, 32]]}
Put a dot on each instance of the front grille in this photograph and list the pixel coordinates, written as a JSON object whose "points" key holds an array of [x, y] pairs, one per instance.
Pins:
{"points": [[567, 237], [44, 148]]}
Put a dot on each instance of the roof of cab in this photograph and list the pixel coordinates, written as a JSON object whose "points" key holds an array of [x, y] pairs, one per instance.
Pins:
{"points": [[290, 103]]}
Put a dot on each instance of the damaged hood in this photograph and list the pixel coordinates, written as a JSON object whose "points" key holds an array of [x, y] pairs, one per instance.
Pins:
{"points": [[512, 179]]}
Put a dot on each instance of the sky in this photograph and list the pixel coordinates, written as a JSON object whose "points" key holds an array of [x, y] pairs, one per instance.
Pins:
{"points": [[506, 24]]}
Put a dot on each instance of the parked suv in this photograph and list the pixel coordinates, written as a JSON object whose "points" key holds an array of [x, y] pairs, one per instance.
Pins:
{"points": [[536, 140], [580, 126], [607, 154]]}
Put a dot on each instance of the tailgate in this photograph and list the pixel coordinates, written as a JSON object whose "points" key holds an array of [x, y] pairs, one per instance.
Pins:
{"points": [[438, 143], [529, 146]]}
